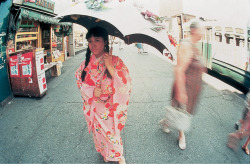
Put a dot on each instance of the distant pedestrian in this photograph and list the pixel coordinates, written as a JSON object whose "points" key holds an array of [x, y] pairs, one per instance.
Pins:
{"points": [[188, 77], [105, 86], [139, 46], [244, 131], [121, 44]]}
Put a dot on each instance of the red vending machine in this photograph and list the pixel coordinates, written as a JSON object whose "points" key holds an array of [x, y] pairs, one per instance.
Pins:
{"points": [[27, 73]]}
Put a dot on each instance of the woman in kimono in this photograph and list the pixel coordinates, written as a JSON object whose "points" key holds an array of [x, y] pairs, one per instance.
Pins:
{"points": [[188, 77], [104, 83]]}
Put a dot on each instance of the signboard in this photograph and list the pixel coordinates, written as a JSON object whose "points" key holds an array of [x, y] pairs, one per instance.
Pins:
{"points": [[28, 14], [14, 66], [39, 62], [27, 64], [42, 83], [45, 5]]}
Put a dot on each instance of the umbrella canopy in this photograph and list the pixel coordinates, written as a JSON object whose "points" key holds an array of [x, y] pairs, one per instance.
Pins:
{"points": [[122, 20], [158, 40]]}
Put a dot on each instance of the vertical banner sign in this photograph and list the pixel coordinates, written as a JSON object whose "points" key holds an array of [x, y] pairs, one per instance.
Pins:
{"points": [[27, 64], [42, 83], [14, 66], [39, 62]]}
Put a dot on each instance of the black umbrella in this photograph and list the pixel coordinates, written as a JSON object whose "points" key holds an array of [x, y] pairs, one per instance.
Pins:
{"points": [[123, 21]]}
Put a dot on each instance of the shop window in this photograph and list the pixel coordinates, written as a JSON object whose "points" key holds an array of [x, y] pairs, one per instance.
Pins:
{"points": [[46, 39], [27, 29], [27, 35], [56, 45], [26, 44], [229, 29], [229, 38], [239, 31], [240, 42], [27, 23], [57, 40], [218, 37], [218, 28]]}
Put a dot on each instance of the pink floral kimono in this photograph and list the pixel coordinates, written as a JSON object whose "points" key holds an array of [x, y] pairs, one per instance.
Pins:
{"points": [[105, 116]]}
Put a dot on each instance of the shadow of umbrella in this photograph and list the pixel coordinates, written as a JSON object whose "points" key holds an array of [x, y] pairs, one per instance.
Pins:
{"points": [[122, 20]]}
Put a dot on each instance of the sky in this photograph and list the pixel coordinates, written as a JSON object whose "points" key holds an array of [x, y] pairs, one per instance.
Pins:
{"points": [[151, 5], [230, 11]]}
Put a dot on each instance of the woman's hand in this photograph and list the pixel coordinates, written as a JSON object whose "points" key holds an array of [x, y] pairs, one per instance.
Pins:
{"points": [[97, 92], [107, 57]]}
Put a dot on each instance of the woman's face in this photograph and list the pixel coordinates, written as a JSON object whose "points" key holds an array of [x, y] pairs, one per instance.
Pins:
{"points": [[96, 45]]}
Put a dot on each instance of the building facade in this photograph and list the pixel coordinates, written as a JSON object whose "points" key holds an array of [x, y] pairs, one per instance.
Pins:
{"points": [[35, 27]]}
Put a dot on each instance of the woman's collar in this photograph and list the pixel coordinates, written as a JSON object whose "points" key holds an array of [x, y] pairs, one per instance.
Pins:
{"points": [[95, 59]]}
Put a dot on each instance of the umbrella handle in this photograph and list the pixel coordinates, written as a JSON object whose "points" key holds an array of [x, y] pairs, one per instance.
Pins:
{"points": [[112, 39]]}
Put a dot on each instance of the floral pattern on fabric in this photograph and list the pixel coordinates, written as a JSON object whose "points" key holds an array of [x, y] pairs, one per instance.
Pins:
{"points": [[105, 116]]}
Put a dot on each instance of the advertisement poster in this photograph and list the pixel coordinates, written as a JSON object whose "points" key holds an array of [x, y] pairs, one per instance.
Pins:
{"points": [[39, 62], [42, 83], [27, 64], [14, 66]]}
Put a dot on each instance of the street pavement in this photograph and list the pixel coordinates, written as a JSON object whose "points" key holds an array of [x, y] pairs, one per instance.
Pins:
{"points": [[53, 129]]}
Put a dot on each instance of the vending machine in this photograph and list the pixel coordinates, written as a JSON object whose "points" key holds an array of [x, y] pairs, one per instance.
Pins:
{"points": [[27, 73]]}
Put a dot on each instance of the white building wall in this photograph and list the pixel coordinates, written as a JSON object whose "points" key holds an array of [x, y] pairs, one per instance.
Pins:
{"points": [[61, 5], [170, 7]]}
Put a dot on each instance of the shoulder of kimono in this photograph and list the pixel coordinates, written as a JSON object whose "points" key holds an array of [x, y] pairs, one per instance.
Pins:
{"points": [[117, 59], [82, 65]]}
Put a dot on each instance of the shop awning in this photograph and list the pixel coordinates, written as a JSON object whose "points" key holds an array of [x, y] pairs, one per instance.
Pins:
{"points": [[32, 15], [28, 14]]}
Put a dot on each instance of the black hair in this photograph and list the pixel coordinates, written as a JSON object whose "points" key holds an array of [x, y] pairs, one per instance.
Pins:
{"points": [[96, 32]]}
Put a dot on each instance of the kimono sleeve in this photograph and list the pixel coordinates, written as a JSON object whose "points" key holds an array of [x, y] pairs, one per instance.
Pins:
{"points": [[86, 87], [121, 94], [78, 74]]}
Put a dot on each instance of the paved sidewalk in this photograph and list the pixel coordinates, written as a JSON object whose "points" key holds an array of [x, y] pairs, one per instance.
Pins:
{"points": [[53, 129]]}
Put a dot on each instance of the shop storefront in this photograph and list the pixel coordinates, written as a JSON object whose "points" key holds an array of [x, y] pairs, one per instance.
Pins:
{"points": [[37, 42], [5, 88], [35, 27]]}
